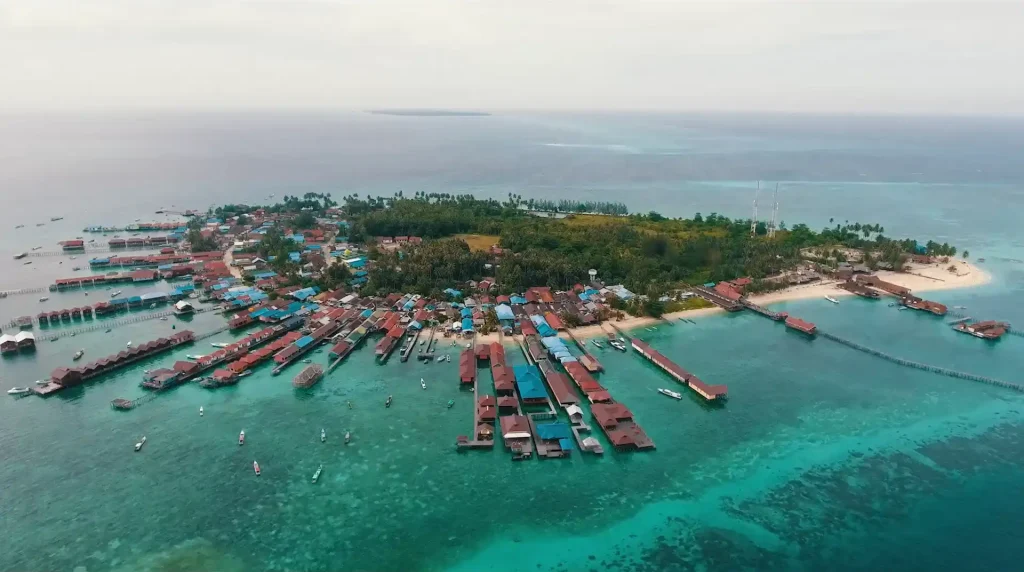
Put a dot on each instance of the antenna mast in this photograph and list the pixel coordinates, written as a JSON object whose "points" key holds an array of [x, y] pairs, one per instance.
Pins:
{"points": [[775, 212], [753, 221]]}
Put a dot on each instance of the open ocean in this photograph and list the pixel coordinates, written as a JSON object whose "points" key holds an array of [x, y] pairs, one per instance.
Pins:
{"points": [[823, 459]]}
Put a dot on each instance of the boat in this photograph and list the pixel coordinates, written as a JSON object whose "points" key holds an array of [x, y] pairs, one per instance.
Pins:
{"points": [[42, 381], [108, 331], [617, 345], [34, 248], [308, 377], [18, 390], [670, 393], [76, 269], [138, 446], [27, 263], [348, 437], [440, 358], [597, 344], [447, 358], [245, 373], [451, 402], [115, 293], [163, 318], [20, 226], [316, 475], [78, 355], [200, 410], [256, 468], [220, 344], [128, 345], [959, 307], [423, 384], [307, 361], [388, 402], [831, 299], [241, 438], [193, 358], [20, 255], [56, 218], [323, 435], [151, 306], [73, 257], [43, 299]]}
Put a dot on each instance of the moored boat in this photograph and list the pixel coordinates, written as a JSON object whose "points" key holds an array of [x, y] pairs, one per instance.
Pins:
{"points": [[129, 344], [20, 255], [670, 393], [78, 355], [18, 390], [138, 446], [241, 438], [831, 299], [115, 293], [597, 344], [256, 468], [316, 475], [323, 435]]}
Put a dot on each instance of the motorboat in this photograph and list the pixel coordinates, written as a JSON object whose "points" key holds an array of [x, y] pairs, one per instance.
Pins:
{"points": [[73, 257], [388, 402], [597, 344], [348, 437], [128, 345], [423, 384], [316, 475], [447, 358], [323, 435], [43, 299], [18, 390], [115, 293], [36, 248], [256, 468], [108, 331], [42, 381], [27, 263], [440, 358], [220, 344], [200, 410], [138, 446], [245, 373], [76, 269], [151, 306], [670, 393], [163, 318], [20, 226], [20, 255], [831, 299], [193, 358], [78, 355], [307, 361], [451, 402], [241, 438]]}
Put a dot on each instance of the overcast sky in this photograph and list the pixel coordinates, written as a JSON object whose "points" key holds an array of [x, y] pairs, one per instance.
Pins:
{"points": [[860, 56]]}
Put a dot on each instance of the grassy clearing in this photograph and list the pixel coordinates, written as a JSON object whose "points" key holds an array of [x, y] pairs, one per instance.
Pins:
{"points": [[479, 242]]}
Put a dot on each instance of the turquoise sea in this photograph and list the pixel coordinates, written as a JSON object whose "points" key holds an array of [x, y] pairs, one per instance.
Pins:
{"points": [[823, 459]]}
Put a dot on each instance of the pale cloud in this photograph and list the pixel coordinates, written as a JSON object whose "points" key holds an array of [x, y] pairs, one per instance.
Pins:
{"points": [[525, 54]]}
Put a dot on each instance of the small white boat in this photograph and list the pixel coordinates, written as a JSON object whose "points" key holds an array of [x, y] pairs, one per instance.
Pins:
{"points": [[348, 437], [18, 390], [440, 358], [200, 410], [163, 319], [151, 306], [316, 475], [73, 257], [323, 435], [423, 384], [78, 355], [128, 345], [307, 361], [194, 358], [241, 438], [220, 344], [597, 344], [76, 269], [670, 393], [256, 468], [139, 445], [115, 293], [42, 381], [447, 358], [43, 299], [831, 299]]}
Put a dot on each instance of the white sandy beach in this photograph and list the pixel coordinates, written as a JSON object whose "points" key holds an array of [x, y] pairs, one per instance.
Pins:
{"points": [[921, 279]]}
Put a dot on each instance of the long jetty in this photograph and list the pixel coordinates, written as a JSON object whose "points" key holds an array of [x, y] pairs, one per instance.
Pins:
{"points": [[19, 291], [921, 366], [590, 362], [409, 348]]}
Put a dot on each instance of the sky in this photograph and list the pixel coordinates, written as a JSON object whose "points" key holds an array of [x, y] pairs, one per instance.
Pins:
{"points": [[821, 56]]}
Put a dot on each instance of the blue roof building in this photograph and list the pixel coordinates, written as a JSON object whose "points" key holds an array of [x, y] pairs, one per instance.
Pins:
{"points": [[504, 313], [294, 256], [467, 324], [466, 313], [529, 383], [517, 300], [297, 238], [305, 293]]}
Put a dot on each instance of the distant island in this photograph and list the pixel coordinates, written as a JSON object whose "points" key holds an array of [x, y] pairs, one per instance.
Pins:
{"points": [[428, 113]]}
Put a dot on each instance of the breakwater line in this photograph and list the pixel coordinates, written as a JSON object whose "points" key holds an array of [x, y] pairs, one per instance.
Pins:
{"points": [[921, 366]]}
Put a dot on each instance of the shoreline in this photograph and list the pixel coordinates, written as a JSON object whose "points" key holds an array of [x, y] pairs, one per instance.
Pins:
{"points": [[922, 278]]}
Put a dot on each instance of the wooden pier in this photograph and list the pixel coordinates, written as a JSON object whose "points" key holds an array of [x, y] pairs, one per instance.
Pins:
{"points": [[921, 366], [464, 442], [412, 346], [591, 362]]}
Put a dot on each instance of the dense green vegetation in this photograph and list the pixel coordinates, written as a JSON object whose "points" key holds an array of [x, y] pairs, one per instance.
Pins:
{"points": [[648, 253], [195, 238], [567, 206]]}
